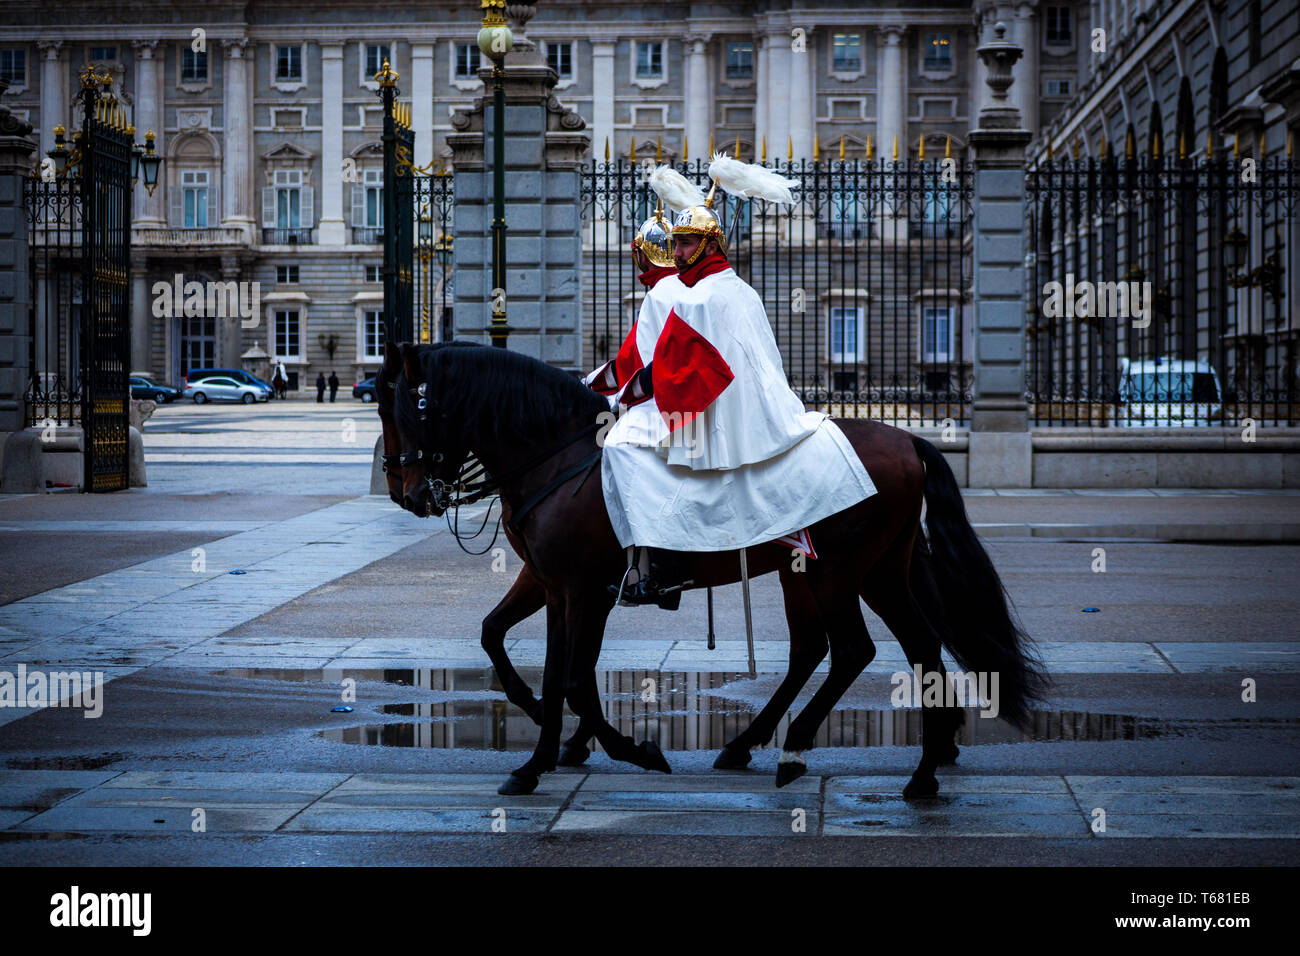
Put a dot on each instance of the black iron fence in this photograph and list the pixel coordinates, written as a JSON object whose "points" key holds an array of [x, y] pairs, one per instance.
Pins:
{"points": [[1161, 290], [865, 279]]}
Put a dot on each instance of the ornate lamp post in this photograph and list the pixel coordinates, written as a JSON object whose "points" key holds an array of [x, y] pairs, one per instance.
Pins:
{"points": [[495, 41]]}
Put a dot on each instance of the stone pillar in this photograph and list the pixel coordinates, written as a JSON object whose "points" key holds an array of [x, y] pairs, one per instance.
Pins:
{"points": [[891, 113], [142, 319], [20, 451], [422, 87], [699, 107], [1026, 87], [54, 101], [602, 99], [802, 117], [761, 78], [148, 116], [333, 230], [237, 160], [1001, 452], [778, 103], [545, 152]]}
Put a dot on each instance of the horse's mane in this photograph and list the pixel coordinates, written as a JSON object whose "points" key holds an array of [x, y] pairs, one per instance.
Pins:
{"points": [[492, 393]]}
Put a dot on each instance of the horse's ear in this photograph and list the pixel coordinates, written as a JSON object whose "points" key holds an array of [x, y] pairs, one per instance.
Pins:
{"points": [[392, 360], [411, 362]]}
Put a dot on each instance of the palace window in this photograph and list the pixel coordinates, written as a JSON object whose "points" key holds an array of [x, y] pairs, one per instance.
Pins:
{"points": [[650, 60], [468, 58], [938, 52], [288, 63], [559, 57], [845, 326], [740, 60], [374, 273], [1059, 27], [936, 334], [285, 275], [288, 334], [373, 334], [846, 53], [376, 54], [13, 66], [103, 53], [194, 66], [194, 190]]}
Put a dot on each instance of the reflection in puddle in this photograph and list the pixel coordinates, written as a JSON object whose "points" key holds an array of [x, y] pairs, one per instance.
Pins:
{"points": [[692, 711]]}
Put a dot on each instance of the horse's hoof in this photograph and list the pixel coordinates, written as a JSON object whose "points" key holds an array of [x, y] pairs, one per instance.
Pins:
{"points": [[650, 757], [573, 755], [918, 788], [949, 754], [789, 772], [732, 758], [518, 785]]}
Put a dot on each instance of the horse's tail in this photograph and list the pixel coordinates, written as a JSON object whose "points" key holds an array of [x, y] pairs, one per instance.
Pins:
{"points": [[973, 613]]}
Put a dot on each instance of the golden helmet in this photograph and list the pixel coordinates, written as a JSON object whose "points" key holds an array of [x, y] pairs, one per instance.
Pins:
{"points": [[655, 239], [701, 220]]}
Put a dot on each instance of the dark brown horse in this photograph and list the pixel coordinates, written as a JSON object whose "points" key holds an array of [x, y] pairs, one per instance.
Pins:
{"points": [[519, 417]]}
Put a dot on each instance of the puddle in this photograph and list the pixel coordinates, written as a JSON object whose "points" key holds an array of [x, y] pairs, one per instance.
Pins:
{"points": [[692, 711]]}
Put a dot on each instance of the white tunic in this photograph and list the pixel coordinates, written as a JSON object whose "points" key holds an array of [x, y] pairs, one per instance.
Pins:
{"points": [[752, 466]]}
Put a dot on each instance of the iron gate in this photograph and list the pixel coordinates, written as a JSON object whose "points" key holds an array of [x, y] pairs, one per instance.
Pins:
{"points": [[417, 203], [866, 279], [80, 262]]}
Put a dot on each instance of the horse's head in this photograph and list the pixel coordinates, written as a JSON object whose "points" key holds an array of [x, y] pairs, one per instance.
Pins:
{"points": [[432, 452], [385, 397]]}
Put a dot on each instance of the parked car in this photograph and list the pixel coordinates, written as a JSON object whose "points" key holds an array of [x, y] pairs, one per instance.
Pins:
{"points": [[149, 390], [220, 388], [238, 374], [365, 389], [1165, 392]]}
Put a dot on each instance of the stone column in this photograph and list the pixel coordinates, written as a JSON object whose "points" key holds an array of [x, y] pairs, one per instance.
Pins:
{"points": [[237, 162], [602, 99], [544, 153], [778, 102], [891, 113], [142, 319], [699, 107], [1001, 451], [1026, 87], [21, 457], [422, 101], [333, 230], [148, 116], [761, 77], [802, 117], [54, 101]]}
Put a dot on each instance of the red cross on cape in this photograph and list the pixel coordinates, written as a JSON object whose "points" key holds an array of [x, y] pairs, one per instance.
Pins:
{"points": [[688, 372]]}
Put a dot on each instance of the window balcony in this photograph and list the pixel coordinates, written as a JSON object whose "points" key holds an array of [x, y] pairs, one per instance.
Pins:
{"points": [[286, 237], [368, 235]]}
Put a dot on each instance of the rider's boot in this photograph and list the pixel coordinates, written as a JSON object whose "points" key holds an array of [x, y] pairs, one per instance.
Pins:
{"points": [[662, 586]]}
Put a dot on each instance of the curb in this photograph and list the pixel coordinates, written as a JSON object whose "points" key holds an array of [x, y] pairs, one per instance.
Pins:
{"points": [[1257, 532]]}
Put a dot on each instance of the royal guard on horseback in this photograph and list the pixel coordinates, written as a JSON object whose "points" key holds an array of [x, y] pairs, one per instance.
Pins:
{"points": [[715, 451]]}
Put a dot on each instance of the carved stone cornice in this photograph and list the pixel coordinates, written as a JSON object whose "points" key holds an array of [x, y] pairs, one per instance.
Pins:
{"points": [[144, 48], [50, 49], [890, 35], [234, 48]]}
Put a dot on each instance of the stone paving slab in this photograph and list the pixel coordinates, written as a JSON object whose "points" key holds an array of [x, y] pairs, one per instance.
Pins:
{"points": [[959, 823], [314, 783], [1214, 656], [1186, 784], [157, 819], [753, 823], [1206, 826], [331, 820]]}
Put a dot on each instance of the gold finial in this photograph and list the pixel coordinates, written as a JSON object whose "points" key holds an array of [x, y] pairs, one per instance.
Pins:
{"points": [[148, 139], [841, 147], [710, 146], [387, 76], [1236, 145], [659, 149], [737, 146], [789, 148], [632, 155], [817, 149], [686, 148], [1155, 143], [895, 147], [868, 147], [947, 149], [59, 131], [920, 149], [1182, 145], [130, 130], [764, 147], [708, 200], [606, 149], [1130, 145], [1209, 144]]}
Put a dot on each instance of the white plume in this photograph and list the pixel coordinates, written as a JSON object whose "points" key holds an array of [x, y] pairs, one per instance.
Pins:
{"points": [[750, 180], [676, 191]]}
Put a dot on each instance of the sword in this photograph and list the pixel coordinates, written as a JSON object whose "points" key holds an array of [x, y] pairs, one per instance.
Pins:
{"points": [[749, 622]]}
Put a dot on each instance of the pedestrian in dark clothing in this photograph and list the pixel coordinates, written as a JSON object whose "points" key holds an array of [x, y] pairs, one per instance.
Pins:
{"points": [[334, 385], [320, 386]]}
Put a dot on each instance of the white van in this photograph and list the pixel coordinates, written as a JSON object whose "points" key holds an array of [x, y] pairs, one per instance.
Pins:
{"points": [[1168, 393]]}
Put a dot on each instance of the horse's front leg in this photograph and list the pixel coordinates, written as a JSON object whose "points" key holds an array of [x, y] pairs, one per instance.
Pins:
{"points": [[525, 598], [808, 646], [587, 612], [524, 780]]}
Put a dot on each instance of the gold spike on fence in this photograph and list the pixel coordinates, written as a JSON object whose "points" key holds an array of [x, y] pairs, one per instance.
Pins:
{"points": [[868, 147], [817, 149], [737, 154], [895, 147], [764, 148], [920, 149], [632, 155], [1130, 145], [789, 148], [606, 149], [1209, 144], [659, 149], [686, 148], [841, 147], [947, 149]]}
